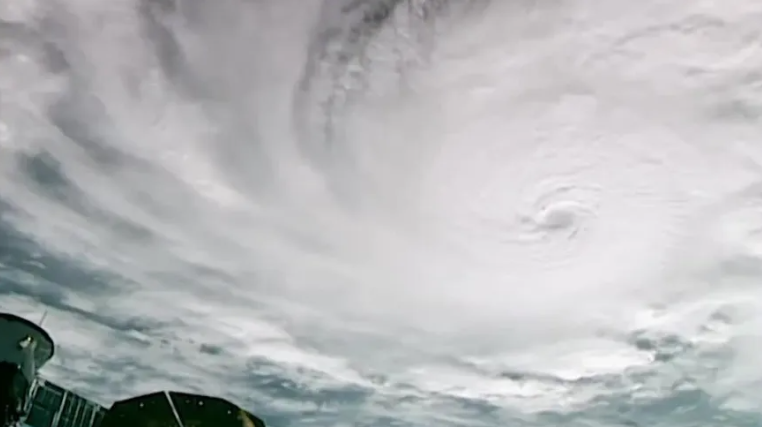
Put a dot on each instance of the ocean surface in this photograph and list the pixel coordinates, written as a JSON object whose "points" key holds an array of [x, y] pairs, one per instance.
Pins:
{"points": [[392, 213]]}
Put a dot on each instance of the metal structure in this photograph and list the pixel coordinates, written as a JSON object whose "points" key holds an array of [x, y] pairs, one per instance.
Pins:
{"points": [[29, 401], [54, 406], [176, 409], [24, 348]]}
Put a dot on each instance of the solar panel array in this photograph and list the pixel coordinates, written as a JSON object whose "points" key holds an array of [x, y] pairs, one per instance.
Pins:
{"points": [[54, 406]]}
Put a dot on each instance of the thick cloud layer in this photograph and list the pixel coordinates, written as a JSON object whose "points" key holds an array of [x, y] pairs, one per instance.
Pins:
{"points": [[391, 212]]}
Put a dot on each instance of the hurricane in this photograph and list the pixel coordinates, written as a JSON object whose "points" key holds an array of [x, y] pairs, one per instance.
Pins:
{"points": [[391, 212]]}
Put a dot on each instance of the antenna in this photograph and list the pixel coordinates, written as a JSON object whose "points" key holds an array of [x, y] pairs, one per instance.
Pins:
{"points": [[42, 319]]}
